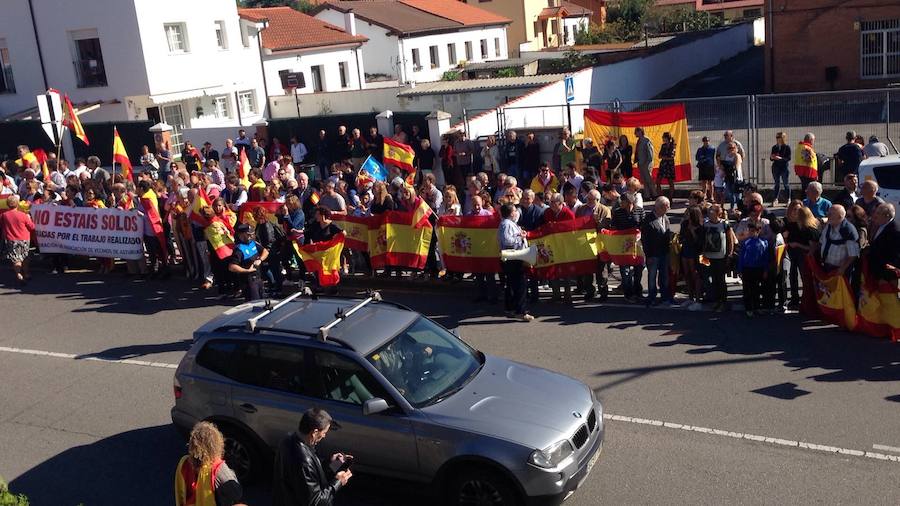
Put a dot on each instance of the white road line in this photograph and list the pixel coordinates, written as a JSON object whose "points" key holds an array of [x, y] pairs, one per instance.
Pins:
{"points": [[761, 439], [886, 448], [128, 361]]}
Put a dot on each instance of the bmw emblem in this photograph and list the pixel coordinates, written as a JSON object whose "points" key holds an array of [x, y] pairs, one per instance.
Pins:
{"points": [[576, 414]]}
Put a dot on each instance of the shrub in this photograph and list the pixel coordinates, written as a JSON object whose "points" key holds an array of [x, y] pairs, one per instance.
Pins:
{"points": [[7, 498]]}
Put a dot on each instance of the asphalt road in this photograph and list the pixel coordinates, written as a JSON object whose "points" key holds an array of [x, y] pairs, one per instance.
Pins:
{"points": [[706, 408]]}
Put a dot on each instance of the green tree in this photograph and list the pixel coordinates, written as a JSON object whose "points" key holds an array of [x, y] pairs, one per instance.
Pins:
{"points": [[7, 498], [300, 5]]}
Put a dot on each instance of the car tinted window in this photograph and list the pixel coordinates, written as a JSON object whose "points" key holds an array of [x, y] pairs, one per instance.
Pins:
{"points": [[216, 356], [344, 380], [271, 365], [888, 176]]}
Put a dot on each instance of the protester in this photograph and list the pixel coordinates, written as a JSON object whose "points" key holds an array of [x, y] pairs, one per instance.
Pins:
{"points": [[884, 245], [656, 235], [839, 244], [202, 476], [300, 476], [512, 237], [875, 148], [870, 201], [780, 157], [563, 150], [850, 155], [490, 156], [512, 154], [848, 195], [559, 212], [691, 239], [532, 157], [706, 167], [17, 227], [718, 247], [545, 181], [753, 264], [806, 163], [814, 200], [602, 216], [666, 164], [802, 235], [627, 217]]}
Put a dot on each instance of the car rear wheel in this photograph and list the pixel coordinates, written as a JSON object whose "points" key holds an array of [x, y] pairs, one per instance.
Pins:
{"points": [[242, 455], [481, 487]]}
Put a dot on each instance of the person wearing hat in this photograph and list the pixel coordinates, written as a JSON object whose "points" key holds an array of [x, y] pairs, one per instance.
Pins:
{"points": [[248, 255], [300, 476]]}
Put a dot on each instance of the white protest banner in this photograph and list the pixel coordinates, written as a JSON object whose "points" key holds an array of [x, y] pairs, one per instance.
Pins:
{"points": [[104, 233]]}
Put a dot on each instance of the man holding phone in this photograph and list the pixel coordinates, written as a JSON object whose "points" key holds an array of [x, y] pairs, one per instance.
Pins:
{"points": [[301, 478]]}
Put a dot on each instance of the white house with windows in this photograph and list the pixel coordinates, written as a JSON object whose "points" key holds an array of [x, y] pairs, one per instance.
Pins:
{"points": [[419, 40], [302, 54], [193, 64]]}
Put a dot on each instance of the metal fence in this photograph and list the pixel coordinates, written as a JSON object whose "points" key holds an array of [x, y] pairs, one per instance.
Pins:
{"points": [[755, 119]]}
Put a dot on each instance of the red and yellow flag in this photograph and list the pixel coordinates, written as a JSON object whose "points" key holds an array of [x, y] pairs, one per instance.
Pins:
{"points": [[565, 249], [220, 238], [395, 240], [201, 201], [469, 243], [243, 170], [879, 307], [604, 125], [833, 295], [25, 161], [315, 198], [323, 258], [245, 212], [150, 205], [399, 155], [622, 247], [24, 205], [195, 487], [120, 156], [71, 121], [356, 230], [41, 158]]}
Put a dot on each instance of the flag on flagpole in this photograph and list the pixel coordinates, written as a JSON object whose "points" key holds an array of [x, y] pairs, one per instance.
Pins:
{"points": [[120, 156], [323, 258], [150, 204], [243, 170], [71, 121], [373, 170], [399, 154], [41, 158]]}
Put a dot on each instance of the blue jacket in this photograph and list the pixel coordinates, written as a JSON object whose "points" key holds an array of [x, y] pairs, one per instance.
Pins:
{"points": [[755, 254]]}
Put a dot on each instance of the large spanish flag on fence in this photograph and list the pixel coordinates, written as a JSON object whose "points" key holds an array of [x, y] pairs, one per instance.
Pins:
{"points": [[469, 243], [399, 155], [220, 238], [565, 249], [622, 247], [245, 212], [879, 307], [395, 240], [834, 297], [323, 258], [356, 230], [604, 125]]}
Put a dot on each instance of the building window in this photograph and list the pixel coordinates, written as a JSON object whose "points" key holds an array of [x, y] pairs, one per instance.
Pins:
{"points": [[317, 82], [7, 84], [469, 55], [343, 68], [176, 38], [880, 49], [247, 102], [433, 54], [451, 54], [484, 53], [497, 47], [220, 106], [221, 38], [752, 13], [89, 69], [417, 63]]}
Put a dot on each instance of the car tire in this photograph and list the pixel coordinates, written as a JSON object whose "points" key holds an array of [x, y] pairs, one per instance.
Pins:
{"points": [[476, 486], [242, 455]]}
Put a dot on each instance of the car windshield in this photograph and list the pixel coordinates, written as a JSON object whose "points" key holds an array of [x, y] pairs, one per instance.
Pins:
{"points": [[426, 363]]}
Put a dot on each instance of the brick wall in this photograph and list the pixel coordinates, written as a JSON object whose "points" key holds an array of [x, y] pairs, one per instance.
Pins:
{"points": [[808, 36]]}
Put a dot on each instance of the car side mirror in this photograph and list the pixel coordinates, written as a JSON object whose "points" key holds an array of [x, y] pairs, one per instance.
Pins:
{"points": [[375, 405]]}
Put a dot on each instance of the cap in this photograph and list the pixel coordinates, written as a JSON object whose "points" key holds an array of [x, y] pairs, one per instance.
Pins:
{"points": [[241, 227]]}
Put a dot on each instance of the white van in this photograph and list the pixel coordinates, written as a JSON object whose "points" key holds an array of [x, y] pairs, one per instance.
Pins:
{"points": [[885, 170]]}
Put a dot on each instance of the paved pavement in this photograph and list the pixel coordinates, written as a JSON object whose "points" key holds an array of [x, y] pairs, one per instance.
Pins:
{"points": [[704, 408]]}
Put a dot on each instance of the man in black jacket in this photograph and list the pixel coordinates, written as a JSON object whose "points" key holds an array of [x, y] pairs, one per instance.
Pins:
{"points": [[884, 244], [301, 478]]}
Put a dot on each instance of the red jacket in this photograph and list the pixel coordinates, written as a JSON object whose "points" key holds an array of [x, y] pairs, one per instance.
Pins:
{"points": [[565, 214]]}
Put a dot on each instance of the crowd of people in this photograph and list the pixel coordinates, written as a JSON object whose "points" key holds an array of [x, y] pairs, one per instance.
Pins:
{"points": [[511, 179]]}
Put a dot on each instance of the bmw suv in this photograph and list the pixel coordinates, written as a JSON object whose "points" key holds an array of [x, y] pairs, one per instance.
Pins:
{"points": [[414, 401]]}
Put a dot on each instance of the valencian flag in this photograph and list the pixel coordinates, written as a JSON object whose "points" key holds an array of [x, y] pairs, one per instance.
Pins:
{"points": [[150, 204], [833, 295], [323, 258], [400, 239], [243, 170], [879, 307], [621, 247], [401, 156], [356, 230], [245, 212], [469, 243], [565, 249], [120, 156], [71, 121], [604, 125]]}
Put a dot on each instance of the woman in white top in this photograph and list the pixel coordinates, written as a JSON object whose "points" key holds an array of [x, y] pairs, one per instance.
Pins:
{"points": [[450, 206], [732, 173], [634, 187], [490, 155]]}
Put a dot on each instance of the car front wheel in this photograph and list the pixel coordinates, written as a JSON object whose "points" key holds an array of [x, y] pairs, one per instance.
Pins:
{"points": [[242, 455], [481, 487]]}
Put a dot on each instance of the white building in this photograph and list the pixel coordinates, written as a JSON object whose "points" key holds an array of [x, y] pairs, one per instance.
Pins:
{"points": [[193, 64], [302, 54], [419, 40]]}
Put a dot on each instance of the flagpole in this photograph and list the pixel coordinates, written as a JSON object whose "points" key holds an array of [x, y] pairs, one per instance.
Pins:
{"points": [[113, 176]]}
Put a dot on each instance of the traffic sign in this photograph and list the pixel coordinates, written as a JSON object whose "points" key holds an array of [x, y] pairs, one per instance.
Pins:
{"points": [[50, 107], [570, 88]]}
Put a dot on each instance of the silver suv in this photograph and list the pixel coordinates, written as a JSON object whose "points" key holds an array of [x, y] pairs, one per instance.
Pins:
{"points": [[414, 401]]}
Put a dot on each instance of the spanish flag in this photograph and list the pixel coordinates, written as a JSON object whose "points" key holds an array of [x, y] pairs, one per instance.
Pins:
{"points": [[323, 258], [621, 247], [220, 238], [245, 212], [120, 156], [41, 156], [25, 161], [150, 205], [396, 241], [565, 249], [469, 243], [834, 297], [399, 155], [243, 170], [314, 198], [201, 201], [356, 230], [24, 205], [195, 487], [603, 125], [71, 121], [879, 307], [421, 212]]}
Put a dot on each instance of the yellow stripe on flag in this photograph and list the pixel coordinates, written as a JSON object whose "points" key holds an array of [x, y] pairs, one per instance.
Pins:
{"points": [[323, 258], [622, 247], [469, 243], [565, 249]]}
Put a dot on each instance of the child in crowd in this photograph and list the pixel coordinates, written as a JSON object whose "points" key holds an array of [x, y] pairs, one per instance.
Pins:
{"points": [[754, 262]]}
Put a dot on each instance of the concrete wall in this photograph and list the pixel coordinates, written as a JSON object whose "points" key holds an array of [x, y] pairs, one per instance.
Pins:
{"points": [[217, 135], [379, 52], [343, 102], [303, 61]]}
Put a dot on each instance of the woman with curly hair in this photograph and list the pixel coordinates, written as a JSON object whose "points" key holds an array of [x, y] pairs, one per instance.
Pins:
{"points": [[202, 477]]}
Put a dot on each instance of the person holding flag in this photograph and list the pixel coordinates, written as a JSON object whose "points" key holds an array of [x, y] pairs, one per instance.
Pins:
{"points": [[154, 238], [401, 156], [120, 156]]}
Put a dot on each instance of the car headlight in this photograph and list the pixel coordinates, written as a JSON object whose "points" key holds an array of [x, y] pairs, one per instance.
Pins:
{"points": [[551, 456]]}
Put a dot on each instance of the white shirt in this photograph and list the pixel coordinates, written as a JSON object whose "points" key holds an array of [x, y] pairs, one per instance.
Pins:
{"points": [[298, 152], [837, 253]]}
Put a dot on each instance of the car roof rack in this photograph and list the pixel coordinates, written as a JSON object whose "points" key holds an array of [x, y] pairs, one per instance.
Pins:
{"points": [[251, 323], [341, 315]]}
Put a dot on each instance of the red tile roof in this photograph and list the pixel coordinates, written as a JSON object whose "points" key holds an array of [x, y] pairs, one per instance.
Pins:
{"points": [[568, 10], [463, 13], [416, 16], [289, 29]]}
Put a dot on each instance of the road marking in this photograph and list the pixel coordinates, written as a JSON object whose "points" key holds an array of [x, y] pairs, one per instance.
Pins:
{"points": [[761, 439], [886, 448], [128, 361]]}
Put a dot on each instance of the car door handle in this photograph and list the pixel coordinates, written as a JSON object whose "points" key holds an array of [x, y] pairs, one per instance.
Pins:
{"points": [[248, 408]]}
